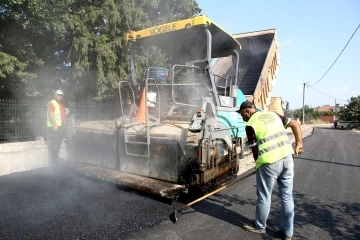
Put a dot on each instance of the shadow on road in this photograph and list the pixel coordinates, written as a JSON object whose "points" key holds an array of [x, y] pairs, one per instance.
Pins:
{"points": [[211, 207], [323, 161], [219, 208], [336, 219], [340, 220]]}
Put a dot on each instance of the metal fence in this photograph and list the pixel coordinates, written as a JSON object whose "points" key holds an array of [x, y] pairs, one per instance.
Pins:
{"points": [[26, 120]]}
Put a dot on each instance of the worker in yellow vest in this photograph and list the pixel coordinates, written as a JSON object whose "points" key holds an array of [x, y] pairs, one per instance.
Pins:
{"points": [[272, 152], [56, 120]]}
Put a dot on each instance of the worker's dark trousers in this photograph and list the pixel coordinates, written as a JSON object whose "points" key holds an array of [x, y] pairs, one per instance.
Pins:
{"points": [[56, 139]]}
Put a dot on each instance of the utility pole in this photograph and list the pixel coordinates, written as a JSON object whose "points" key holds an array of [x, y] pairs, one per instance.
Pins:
{"points": [[303, 108], [335, 110]]}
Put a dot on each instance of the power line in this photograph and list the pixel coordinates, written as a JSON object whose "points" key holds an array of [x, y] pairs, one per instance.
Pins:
{"points": [[337, 57], [326, 94]]}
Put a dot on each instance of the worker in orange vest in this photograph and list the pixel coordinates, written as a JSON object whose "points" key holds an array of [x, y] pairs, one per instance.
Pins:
{"points": [[56, 119]]}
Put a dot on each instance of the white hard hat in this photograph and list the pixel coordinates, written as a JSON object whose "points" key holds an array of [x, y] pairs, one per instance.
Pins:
{"points": [[59, 92]]}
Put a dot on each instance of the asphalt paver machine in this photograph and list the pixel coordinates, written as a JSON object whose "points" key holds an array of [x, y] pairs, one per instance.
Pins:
{"points": [[178, 127]]}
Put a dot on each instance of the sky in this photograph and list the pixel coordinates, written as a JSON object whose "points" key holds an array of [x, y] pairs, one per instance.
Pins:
{"points": [[311, 34]]}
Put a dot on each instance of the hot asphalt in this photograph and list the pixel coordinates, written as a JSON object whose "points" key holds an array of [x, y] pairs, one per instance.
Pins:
{"points": [[53, 203]]}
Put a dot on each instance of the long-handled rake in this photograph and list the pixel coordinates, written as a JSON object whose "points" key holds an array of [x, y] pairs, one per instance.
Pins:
{"points": [[173, 216]]}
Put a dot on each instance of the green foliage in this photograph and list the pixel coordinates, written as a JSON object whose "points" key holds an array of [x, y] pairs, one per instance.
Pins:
{"points": [[351, 111], [310, 113], [327, 113], [77, 45]]}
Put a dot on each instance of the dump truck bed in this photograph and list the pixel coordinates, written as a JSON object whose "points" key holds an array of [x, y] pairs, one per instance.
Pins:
{"points": [[259, 62]]}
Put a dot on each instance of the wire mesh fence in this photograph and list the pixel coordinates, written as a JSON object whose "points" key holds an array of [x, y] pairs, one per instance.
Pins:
{"points": [[26, 120]]}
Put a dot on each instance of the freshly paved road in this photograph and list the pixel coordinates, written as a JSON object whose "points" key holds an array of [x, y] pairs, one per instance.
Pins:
{"points": [[54, 204], [51, 203]]}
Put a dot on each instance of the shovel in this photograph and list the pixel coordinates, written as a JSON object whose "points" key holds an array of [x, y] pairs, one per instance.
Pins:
{"points": [[173, 216]]}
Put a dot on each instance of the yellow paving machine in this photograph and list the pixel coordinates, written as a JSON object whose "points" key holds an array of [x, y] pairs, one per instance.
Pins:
{"points": [[178, 128]]}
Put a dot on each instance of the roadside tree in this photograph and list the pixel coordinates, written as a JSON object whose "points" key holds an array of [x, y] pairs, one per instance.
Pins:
{"points": [[350, 111]]}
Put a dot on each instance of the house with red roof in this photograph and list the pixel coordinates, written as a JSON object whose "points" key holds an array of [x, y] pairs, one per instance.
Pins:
{"points": [[327, 115]]}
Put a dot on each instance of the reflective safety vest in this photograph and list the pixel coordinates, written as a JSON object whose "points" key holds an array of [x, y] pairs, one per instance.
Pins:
{"points": [[272, 140], [57, 114]]}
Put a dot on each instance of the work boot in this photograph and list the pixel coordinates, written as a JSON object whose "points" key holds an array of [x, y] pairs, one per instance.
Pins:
{"points": [[282, 235], [251, 227]]}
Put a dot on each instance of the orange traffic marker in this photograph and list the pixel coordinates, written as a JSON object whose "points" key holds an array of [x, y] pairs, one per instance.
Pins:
{"points": [[141, 117]]}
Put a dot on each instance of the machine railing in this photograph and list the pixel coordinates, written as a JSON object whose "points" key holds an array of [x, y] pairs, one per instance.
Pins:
{"points": [[226, 83], [156, 103], [135, 125], [125, 120], [133, 108]]}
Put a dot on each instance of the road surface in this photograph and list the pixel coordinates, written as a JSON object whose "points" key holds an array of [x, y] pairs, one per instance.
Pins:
{"points": [[52, 203]]}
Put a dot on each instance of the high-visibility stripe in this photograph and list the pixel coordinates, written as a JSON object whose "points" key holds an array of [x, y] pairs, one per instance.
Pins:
{"points": [[252, 145], [271, 137], [274, 146]]}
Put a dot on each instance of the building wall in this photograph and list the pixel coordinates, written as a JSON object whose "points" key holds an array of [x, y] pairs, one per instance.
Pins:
{"points": [[329, 119]]}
